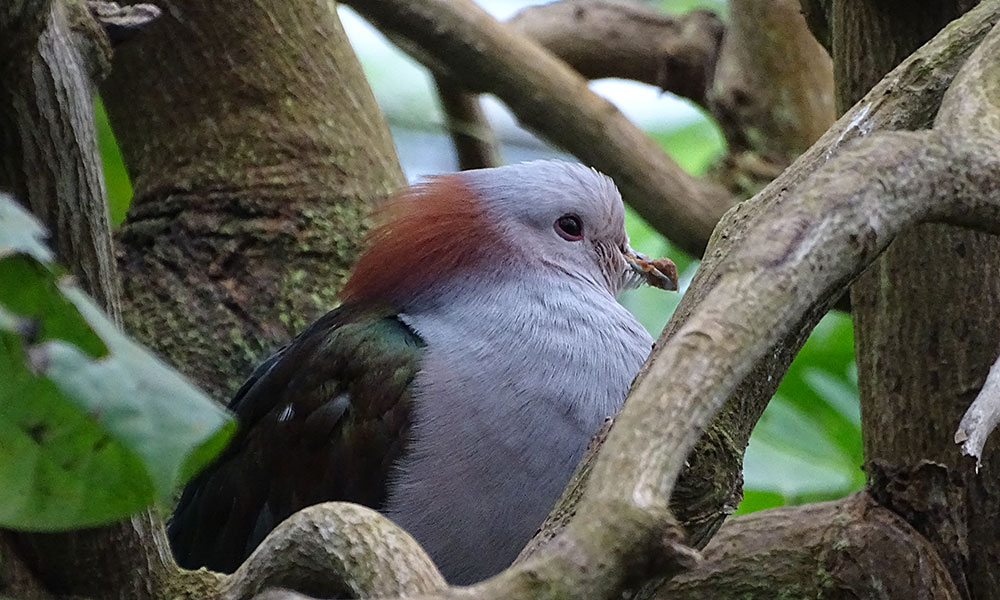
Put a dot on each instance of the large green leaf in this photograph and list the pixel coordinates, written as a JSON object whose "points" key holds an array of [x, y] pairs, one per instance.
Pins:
{"points": [[93, 427]]}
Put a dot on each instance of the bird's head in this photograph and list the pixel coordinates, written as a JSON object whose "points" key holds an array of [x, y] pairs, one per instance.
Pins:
{"points": [[558, 219]]}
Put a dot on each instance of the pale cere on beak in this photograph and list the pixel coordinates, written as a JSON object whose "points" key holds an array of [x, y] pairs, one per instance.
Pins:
{"points": [[660, 272]]}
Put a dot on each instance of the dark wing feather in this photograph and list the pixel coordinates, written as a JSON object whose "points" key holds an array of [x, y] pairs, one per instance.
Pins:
{"points": [[322, 419]]}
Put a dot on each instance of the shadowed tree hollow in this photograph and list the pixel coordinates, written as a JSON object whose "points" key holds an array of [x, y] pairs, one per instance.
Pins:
{"points": [[861, 162]]}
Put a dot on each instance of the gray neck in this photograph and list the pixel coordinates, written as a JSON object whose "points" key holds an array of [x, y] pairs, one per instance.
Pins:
{"points": [[499, 426]]}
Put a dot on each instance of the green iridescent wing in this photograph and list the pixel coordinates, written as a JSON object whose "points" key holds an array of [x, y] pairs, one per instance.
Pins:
{"points": [[322, 419]]}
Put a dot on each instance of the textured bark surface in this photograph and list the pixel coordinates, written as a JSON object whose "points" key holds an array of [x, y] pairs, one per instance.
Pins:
{"points": [[924, 350], [826, 551], [256, 151], [630, 40], [46, 121], [772, 93], [337, 550]]}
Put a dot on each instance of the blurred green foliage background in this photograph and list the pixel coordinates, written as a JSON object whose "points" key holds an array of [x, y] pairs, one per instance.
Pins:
{"points": [[807, 445]]}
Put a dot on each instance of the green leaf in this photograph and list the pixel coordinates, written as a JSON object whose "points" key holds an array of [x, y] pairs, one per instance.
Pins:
{"points": [[93, 427], [807, 444], [58, 467], [116, 179], [694, 146], [29, 289], [754, 500]]}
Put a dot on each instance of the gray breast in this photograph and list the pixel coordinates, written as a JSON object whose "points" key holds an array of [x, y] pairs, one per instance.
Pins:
{"points": [[503, 413]]}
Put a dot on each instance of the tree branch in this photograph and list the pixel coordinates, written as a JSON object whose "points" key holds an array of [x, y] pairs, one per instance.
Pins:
{"points": [[772, 94], [768, 120], [922, 353], [459, 38], [471, 134], [600, 38], [972, 103], [907, 98], [819, 550], [336, 549]]}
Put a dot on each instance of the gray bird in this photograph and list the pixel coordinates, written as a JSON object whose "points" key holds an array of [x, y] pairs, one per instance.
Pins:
{"points": [[477, 349]]}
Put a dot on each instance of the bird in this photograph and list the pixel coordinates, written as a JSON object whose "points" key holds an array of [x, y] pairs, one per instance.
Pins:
{"points": [[477, 348]]}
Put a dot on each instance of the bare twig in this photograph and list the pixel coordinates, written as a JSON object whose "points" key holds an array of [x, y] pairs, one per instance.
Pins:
{"points": [[601, 38], [473, 138], [907, 98]]}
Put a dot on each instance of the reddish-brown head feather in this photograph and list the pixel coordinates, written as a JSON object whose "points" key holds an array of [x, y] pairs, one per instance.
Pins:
{"points": [[428, 233]]}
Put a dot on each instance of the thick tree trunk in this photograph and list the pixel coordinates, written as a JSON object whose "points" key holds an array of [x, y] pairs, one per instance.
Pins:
{"points": [[926, 334], [48, 145], [256, 151]]}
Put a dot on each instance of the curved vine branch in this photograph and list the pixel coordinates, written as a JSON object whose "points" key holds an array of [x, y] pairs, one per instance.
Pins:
{"points": [[817, 550], [336, 549]]}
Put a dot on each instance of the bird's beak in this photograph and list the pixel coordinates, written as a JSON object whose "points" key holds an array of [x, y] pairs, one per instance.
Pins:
{"points": [[661, 272]]}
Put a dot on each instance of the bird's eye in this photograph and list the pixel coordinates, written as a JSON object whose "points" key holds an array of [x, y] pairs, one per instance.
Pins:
{"points": [[569, 228]]}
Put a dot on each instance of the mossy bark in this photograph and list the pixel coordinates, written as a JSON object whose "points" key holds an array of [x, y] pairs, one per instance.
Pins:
{"points": [[256, 150]]}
